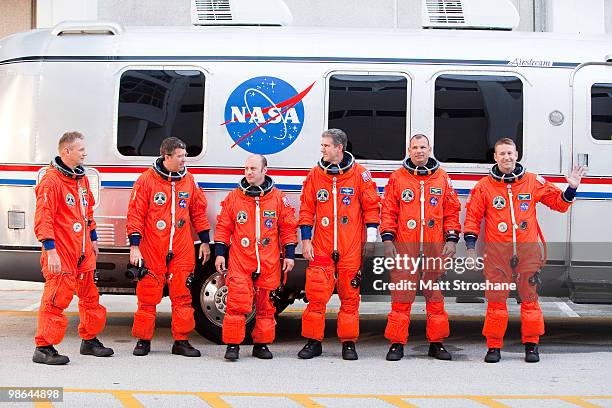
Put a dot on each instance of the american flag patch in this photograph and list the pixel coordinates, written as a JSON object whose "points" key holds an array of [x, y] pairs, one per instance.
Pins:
{"points": [[366, 176]]}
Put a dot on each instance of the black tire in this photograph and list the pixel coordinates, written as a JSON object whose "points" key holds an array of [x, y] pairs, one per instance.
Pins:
{"points": [[284, 301], [281, 306], [208, 295]]}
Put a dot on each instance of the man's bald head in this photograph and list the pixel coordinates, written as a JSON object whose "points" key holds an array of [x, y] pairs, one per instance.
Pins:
{"points": [[262, 159], [255, 169]]}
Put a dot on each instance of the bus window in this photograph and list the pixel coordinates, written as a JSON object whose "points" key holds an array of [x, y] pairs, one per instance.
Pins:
{"points": [[601, 112], [371, 109], [472, 112], [156, 104]]}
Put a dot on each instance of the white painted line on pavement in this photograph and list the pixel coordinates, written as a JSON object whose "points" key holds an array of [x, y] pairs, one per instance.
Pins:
{"points": [[568, 311]]}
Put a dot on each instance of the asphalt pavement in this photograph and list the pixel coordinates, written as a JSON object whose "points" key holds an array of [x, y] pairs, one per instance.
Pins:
{"points": [[576, 366]]}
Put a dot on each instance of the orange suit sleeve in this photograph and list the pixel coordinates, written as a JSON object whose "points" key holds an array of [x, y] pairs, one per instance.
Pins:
{"points": [[91, 202], [551, 195], [370, 200], [451, 210], [475, 211], [138, 208], [198, 208], [287, 222], [225, 221], [390, 210], [308, 201], [46, 207]]}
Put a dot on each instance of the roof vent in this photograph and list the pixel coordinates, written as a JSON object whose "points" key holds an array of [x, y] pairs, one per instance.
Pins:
{"points": [[212, 10], [240, 12], [469, 14], [87, 27]]}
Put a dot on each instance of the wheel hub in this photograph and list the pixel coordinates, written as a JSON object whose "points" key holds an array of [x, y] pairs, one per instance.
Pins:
{"points": [[213, 298]]}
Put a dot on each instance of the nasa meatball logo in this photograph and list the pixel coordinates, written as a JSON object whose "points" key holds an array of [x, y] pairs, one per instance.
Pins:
{"points": [[265, 114]]}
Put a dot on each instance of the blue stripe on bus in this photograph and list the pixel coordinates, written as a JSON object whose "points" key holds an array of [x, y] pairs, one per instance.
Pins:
{"points": [[119, 184], [593, 194], [17, 182]]}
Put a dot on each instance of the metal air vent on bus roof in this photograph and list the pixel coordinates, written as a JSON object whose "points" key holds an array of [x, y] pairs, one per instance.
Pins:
{"points": [[212, 10], [240, 12], [87, 27], [469, 14]]}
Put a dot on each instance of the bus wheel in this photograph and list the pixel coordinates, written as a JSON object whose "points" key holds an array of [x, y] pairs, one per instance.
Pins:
{"points": [[209, 295]]}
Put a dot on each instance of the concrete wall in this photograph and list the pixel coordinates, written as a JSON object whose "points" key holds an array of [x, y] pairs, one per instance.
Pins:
{"points": [[608, 15], [51, 12], [146, 12], [380, 13], [15, 16], [336, 13], [575, 16], [341, 13]]}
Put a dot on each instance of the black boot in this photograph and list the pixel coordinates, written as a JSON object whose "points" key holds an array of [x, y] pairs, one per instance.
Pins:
{"points": [[262, 351], [232, 352], [493, 355], [396, 352], [94, 347], [531, 353], [143, 347], [349, 352], [49, 355], [437, 350], [313, 348], [183, 348]]}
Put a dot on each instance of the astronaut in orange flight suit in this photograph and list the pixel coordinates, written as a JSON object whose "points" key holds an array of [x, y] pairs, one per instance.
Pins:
{"points": [[64, 223], [256, 220], [341, 199], [420, 212], [164, 200], [507, 199]]}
